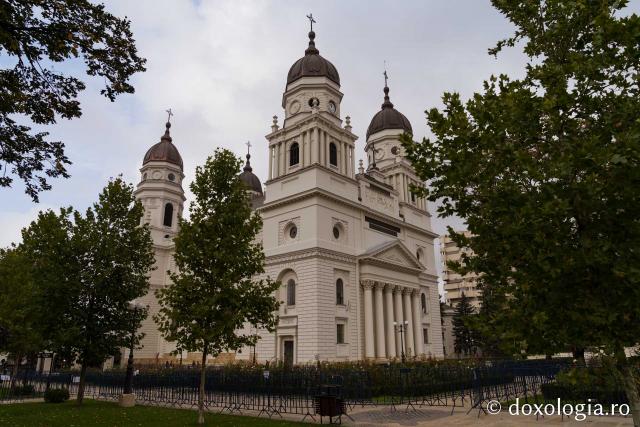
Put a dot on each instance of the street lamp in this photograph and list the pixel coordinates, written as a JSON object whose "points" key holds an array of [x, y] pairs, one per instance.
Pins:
{"points": [[401, 328], [128, 398]]}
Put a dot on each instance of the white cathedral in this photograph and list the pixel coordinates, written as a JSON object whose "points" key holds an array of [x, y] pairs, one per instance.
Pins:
{"points": [[352, 248]]}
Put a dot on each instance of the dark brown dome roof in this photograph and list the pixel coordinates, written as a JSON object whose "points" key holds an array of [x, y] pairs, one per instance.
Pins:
{"points": [[249, 178], [164, 151], [312, 65], [388, 118]]}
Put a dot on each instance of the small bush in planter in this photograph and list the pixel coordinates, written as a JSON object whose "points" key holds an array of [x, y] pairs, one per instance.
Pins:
{"points": [[56, 395]]}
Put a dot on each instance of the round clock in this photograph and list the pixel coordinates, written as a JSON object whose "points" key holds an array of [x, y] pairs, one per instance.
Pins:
{"points": [[294, 107], [332, 107]]}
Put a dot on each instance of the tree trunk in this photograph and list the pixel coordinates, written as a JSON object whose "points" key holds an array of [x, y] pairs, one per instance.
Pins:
{"points": [[17, 358], [83, 372], [630, 385], [203, 369], [578, 355]]}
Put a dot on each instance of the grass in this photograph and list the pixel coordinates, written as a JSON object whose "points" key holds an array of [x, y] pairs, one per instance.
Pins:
{"points": [[106, 414]]}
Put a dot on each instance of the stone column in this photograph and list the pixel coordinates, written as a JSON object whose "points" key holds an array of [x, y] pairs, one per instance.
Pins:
{"points": [[379, 316], [390, 330], [270, 163], [277, 160], [368, 320], [406, 295], [397, 299], [318, 144], [417, 322]]}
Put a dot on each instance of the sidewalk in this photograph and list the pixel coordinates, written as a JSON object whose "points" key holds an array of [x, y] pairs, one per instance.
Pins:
{"points": [[441, 416]]}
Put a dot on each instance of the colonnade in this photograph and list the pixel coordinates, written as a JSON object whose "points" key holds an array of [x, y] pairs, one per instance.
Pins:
{"points": [[314, 148], [384, 304]]}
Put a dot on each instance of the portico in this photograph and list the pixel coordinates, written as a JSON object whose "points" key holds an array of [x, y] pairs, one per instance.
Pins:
{"points": [[391, 286]]}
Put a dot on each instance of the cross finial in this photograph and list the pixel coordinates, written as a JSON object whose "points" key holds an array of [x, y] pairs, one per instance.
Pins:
{"points": [[311, 20], [386, 77], [170, 113], [248, 144]]}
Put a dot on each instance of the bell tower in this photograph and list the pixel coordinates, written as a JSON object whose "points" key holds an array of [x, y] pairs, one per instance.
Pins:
{"points": [[160, 189], [386, 156], [312, 132]]}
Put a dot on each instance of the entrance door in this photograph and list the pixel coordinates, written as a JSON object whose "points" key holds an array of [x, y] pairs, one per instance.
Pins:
{"points": [[288, 353]]}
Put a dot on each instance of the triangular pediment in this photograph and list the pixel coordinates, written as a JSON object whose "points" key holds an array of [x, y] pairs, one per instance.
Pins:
{"points": [[395, 253]]}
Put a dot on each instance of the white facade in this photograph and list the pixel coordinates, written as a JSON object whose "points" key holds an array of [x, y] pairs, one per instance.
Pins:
{"points": [[353, 249]]}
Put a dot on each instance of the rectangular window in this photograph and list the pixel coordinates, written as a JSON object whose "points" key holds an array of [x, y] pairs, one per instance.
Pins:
{"points": [[425, 335], [291, 292], [383, 227], [340, 334], [339, 292]]}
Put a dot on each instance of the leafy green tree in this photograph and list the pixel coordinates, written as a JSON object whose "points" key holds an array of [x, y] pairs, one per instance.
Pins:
{"points": [[35, 35], [216, 292], [545, 172], [19, 308], [89, 268], [464, 337]]}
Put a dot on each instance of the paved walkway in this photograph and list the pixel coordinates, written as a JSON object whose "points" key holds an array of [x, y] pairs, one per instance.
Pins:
{"points": [[441, 416]]}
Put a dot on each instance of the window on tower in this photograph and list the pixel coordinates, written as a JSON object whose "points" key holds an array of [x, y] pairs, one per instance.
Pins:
{"points": [[291, 292], [168, 215], [423, 301], [333, 154], [339, 292], [294, 154]]}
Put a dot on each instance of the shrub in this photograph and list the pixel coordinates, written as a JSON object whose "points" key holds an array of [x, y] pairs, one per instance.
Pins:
{"points": [[56, 395], [24, 390]]}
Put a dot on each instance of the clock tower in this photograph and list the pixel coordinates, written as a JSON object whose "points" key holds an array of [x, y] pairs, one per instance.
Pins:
{"points": [[312, 131]]}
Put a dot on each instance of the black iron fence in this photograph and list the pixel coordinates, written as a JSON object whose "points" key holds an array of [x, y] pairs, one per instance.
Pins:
{"points": [[292, 390]]}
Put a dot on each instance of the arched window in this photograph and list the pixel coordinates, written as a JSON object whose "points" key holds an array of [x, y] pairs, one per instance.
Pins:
{"points": [[333, 154], [339, 292], [168, 215], [291, 292], [423, 300], [294, 154]]}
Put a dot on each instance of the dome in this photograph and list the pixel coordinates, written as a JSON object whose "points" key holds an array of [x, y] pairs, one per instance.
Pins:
{"points": [[388, 118], [312, 65], [164, 151], [250, 179]]}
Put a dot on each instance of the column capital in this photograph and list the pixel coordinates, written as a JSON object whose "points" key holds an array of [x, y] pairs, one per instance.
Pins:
{"points": [[397, 289], [416, 292], [407, 291], [389, 287], [367, 284]]}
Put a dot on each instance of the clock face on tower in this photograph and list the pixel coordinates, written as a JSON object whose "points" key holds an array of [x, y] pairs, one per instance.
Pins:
{"points": [[332, 107]]}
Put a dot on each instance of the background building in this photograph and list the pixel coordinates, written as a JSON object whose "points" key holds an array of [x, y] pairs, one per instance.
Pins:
{"points": [[454, 283]]}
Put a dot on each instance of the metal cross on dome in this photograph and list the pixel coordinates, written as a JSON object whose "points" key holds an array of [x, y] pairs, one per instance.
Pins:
{"points": [[311, 20], [248, 144], [385, 74], [170, 113]]}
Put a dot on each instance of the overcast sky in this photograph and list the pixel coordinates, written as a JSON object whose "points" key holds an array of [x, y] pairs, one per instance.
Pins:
{"points": [[221, 66]]}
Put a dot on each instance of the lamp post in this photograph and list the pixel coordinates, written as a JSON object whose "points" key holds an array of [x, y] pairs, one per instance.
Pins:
{"points": [[401, 328], [128, 398]]}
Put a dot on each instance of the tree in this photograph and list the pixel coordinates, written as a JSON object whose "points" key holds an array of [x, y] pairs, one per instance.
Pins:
{"points": [[36, 35], [464, 340], [216, 290], [89, 270], [19, 308], [545, 172]]}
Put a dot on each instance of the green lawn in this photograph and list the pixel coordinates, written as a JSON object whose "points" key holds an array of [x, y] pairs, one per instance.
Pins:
{"points": [[99, 414]]}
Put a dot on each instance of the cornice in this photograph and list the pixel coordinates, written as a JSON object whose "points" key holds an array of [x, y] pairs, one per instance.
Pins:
{"points": [[339, 199], [310, 253], [307, 122], [309, 167]]}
